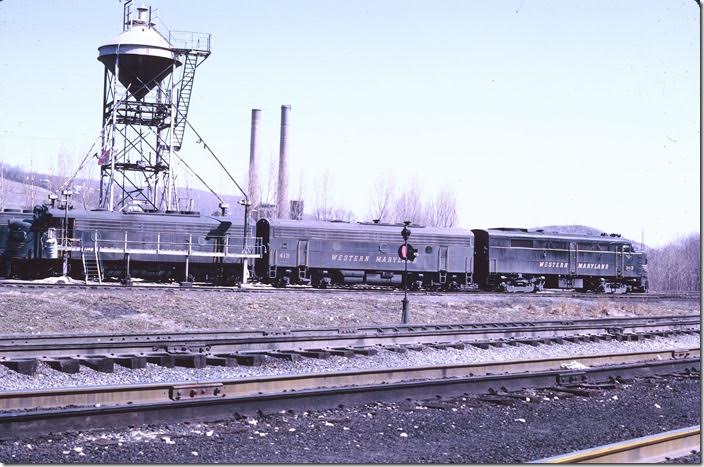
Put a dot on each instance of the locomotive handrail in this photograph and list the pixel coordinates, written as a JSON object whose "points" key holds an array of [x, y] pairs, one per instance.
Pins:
{"points": [[225, 246]]}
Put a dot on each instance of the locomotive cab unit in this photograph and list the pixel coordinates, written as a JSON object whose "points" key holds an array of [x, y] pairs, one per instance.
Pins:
{"points": [[154, 246], [513, 260], [325, 254]]}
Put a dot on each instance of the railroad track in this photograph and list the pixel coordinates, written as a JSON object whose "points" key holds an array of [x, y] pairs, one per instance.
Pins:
{"points": [[67, 352], [265, 289], [647, 449], [39, 411]]}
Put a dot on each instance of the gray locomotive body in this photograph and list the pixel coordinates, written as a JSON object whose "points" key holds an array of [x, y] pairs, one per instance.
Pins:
{"points": [[150, 246], [339, 253], [518, 260]]}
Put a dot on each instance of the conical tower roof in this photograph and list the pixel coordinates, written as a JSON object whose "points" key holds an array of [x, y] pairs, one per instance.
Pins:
{"points": [[146, 58]]}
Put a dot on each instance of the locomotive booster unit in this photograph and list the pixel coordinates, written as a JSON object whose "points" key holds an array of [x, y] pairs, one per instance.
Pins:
{"points": [[328, 254]]}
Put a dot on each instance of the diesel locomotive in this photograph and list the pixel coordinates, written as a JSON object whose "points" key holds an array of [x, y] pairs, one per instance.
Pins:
{"points": [[186, 246], [326, 254], [511, 260], [155, 246]]}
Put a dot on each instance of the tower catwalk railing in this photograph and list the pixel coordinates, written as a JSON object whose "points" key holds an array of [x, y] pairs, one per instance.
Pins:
{"points": [[194, 48]]}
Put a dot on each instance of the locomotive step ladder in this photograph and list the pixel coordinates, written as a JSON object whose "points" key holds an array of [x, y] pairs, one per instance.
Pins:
{"points": [[91, 265]]}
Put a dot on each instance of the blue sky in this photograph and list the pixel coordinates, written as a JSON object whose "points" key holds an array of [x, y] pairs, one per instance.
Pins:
{"points": [[532, 112]]}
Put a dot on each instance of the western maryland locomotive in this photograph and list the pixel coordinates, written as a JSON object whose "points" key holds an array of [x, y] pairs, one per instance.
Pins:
{"points": [[518, 260], [328, 254], [178, 246], [510, 260], [154, 246]]}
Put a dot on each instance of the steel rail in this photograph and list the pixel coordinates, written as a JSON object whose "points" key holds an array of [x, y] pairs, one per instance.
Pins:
{"points": [[36, 411], [208, 342], [307, 289], [647, 449], [244, 387]]}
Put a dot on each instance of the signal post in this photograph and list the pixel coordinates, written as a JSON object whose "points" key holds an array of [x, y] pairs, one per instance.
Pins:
{"points": [[406, 252]]}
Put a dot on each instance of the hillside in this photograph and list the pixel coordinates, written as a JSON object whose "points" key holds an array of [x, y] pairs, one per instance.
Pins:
{"points": [[21, 195], [17, 191]]}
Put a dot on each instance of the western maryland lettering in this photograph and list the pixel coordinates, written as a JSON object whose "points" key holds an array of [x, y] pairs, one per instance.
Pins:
{"points": [[592, 266], [552, 264], [369, 259], [351, 258], [564, 264]]}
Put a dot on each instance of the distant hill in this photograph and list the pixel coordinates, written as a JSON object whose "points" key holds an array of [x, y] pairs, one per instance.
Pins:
{"points": [[22, 189], [21, 195]]}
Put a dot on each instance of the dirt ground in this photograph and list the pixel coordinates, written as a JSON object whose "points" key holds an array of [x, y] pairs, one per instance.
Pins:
{"points": [[33, 311]]}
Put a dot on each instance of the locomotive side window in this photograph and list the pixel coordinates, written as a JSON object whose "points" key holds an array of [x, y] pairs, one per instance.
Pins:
{"points": [[284, 245], [428, 249], [521, 243]]}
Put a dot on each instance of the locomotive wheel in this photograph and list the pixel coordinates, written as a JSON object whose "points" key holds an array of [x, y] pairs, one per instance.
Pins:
{"points": [[282, 282]]}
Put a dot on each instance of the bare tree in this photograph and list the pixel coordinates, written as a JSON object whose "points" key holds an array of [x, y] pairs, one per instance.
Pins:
{"points": [[341, 214], [409, 206], [323, 209], [268, 193], [443, 210], [382, 198], [676, 266]]}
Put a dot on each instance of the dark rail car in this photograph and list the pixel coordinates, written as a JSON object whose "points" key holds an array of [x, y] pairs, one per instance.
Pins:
{"points": [[146, 245], [339, 253], [518, 260]]}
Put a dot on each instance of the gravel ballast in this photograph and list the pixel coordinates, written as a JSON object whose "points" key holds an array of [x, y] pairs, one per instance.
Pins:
{"points": [[50, 378], [34, 311], [535, 425]]}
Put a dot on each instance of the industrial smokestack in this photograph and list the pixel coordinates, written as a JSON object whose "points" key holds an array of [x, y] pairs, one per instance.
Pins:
{"points": [[282, 206], [253, 189]]}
